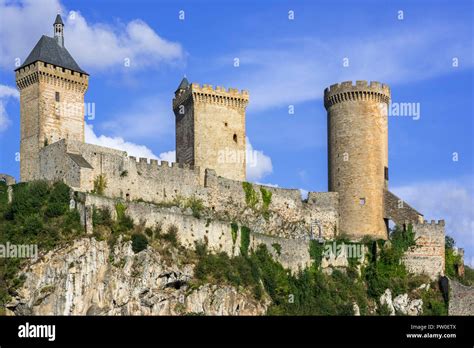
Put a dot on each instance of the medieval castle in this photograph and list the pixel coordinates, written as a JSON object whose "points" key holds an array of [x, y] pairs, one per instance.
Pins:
{"points": [[208, 120]]}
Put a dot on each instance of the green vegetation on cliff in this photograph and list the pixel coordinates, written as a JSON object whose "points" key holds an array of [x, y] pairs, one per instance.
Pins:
{"points": [[39, 215]]}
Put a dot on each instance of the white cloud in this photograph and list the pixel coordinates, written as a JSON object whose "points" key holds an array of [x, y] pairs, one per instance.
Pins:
{"points": [[93, 45], [451, 200], [117, 143], [169, 156], [102, 46], [258, 164], [6, 92]]}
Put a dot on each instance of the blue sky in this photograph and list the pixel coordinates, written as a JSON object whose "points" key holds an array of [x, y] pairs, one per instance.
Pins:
{"points": [[282, 62]]}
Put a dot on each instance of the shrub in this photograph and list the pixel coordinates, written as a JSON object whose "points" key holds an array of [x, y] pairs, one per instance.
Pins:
{"points": [[55, 209], [124, 222], [28, 198], [244, 240], [149, 232], [33, 224], [277, 248], [251, 197], [452, 260], [139, 242], [234, 229], [388, 271], [266, 197], [60, 194], [100, 184], [72, 221], [196, 206], [101, 217], [316, 250], [171, 235]]}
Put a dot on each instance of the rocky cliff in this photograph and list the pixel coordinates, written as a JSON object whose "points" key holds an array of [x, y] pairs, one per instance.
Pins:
{"points": [[89, 277]]}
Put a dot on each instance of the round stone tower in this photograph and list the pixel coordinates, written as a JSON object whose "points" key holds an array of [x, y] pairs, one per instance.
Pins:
{"points": [[358, 155]]}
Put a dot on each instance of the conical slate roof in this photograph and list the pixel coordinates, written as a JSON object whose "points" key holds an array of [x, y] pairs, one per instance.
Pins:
{"points": [[47, 50], [58, 20], [183, 85]]}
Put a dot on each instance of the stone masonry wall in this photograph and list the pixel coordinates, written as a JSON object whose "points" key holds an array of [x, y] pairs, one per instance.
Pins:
{"points": [[210, 129], [288, 216], [461, 301], [427, 257], [44, 119], [358, 154], [294, 253]]}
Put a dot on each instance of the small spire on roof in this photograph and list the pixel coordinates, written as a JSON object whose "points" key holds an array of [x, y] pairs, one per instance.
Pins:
{"points": [[58, 20]]}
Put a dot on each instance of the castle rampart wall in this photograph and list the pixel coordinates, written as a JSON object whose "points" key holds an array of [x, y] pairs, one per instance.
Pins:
{"points": [[294, 254], [427, 257], [286, 215]]}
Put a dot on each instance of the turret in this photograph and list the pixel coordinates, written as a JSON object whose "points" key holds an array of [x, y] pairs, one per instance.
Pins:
{"points": [[358, 155], [59, 30]]}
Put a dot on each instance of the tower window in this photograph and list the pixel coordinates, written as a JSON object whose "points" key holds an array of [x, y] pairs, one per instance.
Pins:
{"points": [[57, 96], [362, 201], [225, 124], [385, 173], [235, 137]]}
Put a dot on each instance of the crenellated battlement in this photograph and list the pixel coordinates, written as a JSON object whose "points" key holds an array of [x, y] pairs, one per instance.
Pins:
{"points": [[205, 93], [51, 74], [432, 222], [360, 91], [146, 164]]}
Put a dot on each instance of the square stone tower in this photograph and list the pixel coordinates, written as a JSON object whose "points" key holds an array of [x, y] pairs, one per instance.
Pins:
{"points": [[52, 88], [210, 128]]}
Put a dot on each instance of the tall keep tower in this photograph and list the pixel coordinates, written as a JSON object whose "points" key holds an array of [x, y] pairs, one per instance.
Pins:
{"points": [[358, 155], [210, 128], [52, 88]]}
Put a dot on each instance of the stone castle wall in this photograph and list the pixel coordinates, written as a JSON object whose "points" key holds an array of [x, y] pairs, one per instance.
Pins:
{"points": [[287, 215], [358, 154], [294, 253], [427, 257]]}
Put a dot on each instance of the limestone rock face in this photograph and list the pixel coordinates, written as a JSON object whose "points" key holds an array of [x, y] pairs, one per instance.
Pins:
{"points": [[88, 277], [386, 299], [402, 304]]}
